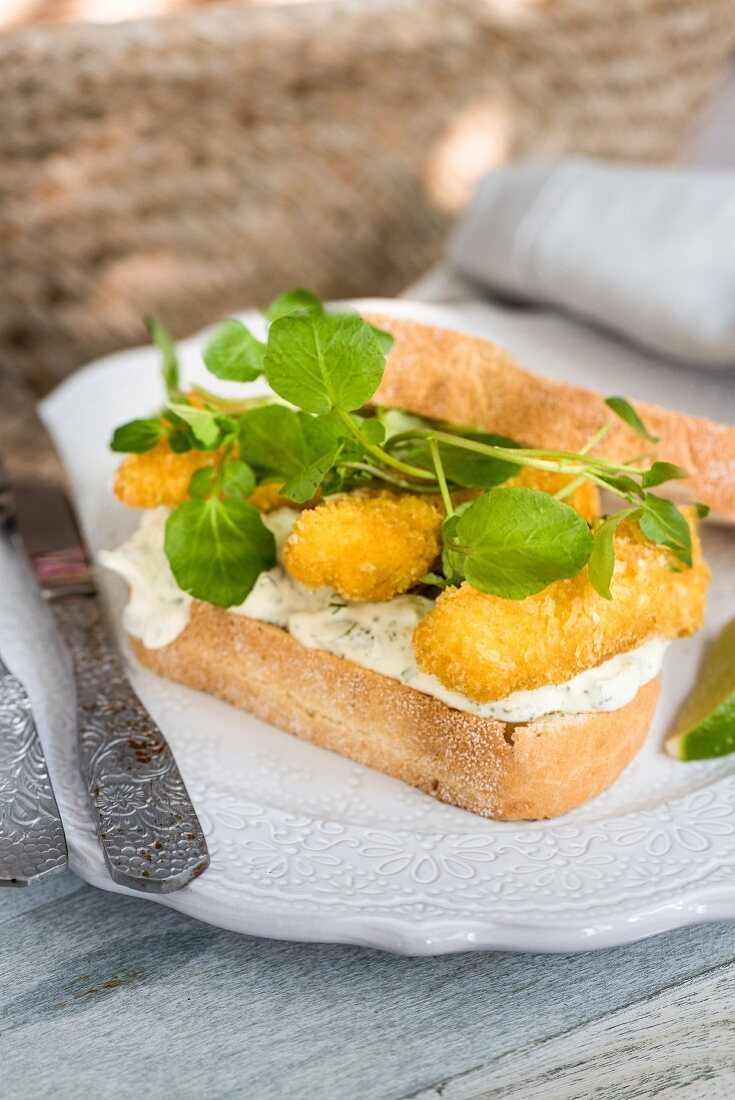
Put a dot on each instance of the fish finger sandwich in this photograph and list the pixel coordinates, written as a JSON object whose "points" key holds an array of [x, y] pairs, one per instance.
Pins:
{"points": [[401, 556]]}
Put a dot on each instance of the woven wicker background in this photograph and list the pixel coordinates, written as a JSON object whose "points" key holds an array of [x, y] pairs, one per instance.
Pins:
{"points": [[192, 165], [21, 13]]}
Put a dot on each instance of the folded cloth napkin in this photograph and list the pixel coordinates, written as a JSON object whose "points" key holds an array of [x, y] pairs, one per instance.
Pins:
{"points": [[649, 252]]}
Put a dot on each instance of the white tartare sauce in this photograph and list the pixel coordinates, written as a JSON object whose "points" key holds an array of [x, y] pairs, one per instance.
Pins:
{"points": [[377, 636]]}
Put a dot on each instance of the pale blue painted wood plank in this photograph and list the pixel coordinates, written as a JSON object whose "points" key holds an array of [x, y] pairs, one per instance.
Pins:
{"points": [[677, 1043], [98, 990], [16, 900]]}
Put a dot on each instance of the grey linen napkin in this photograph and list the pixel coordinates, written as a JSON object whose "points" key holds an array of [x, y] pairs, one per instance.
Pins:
{"points": [[648, 252]]}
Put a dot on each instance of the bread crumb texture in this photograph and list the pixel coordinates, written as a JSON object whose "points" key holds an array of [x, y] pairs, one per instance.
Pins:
{"points": [[487, 647], [366, 547], [159, 476]]}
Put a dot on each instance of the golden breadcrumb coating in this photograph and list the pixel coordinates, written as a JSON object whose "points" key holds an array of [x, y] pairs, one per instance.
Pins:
{"points": [[267, 497], [366, 547], [487, 647], [159, 476]]}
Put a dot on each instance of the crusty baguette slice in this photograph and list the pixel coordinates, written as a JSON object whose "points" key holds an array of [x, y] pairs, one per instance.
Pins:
{"points": [[502, 771], [438, 373]]}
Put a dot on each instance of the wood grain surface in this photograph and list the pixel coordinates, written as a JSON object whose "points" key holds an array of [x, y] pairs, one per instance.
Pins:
{"points": [[105, 996]]}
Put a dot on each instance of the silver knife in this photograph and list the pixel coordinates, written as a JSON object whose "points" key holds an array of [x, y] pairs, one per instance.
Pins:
{"points": [[32, 841], [145, 820]]}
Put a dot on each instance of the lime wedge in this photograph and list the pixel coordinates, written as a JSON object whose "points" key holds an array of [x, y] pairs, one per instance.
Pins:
{"points": [[705, 726]]}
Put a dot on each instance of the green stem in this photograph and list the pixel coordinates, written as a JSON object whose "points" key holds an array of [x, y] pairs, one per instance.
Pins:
{"points": [[458, 548], [519, 456], [383, 475], [610, 488], [227, 404], [570, 487], [219, 468], [380, 454], [641, 458], [596, 438], [441, 477], [221, 464]]}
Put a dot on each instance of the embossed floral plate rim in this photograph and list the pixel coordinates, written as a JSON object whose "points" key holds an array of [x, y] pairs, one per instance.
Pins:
{"points": [[308, 846], [411, 929]]}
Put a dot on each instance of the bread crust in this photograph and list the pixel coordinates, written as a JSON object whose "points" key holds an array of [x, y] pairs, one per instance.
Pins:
{"points": [[507, 772], [439, 373]]}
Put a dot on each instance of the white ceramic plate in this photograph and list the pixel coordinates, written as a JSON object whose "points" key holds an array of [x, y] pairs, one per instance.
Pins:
{"points": [[308, 846]]}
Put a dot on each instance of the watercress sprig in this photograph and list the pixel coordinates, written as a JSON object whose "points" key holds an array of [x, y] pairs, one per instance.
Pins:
{"points": [[325, 367], [216, 543]]}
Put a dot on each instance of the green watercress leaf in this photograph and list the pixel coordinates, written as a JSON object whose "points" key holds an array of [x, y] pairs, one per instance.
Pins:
{"points": [[180, 438], [281, 442], [298, 300], [451, 559], [323, 361], [272, 440], [203, 423], [218, 548], [395, 421], [169, 359], [302, 486], [202, 482], [301, 301], [334, 481], [661, 472], [623, 408], [517, 541], [433, 579], [662, 522], [353, 447], [137, 436], [476, 471], [233, 353], [236, 479], [384, 339], [370, 429], [601, 564], [622, 483]]}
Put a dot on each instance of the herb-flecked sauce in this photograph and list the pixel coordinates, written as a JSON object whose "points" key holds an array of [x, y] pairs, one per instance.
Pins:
{"points": [[377, 636]]}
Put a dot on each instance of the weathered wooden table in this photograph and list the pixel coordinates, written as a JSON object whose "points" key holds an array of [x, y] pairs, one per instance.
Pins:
{"points": [[103, 996]]}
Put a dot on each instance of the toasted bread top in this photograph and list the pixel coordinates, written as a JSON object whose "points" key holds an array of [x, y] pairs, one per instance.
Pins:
{"points": [[439, 373]]}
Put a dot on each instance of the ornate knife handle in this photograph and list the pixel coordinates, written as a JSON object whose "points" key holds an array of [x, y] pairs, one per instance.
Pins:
{"points": [[146, 822], [32, 841]]}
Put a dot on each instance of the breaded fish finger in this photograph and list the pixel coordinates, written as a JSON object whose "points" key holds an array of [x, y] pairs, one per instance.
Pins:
{"points": [[487, 647], [366, 547]]}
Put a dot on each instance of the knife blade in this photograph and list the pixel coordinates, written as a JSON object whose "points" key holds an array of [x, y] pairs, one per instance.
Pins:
{"points": [[149, 830], [32, 841]]}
